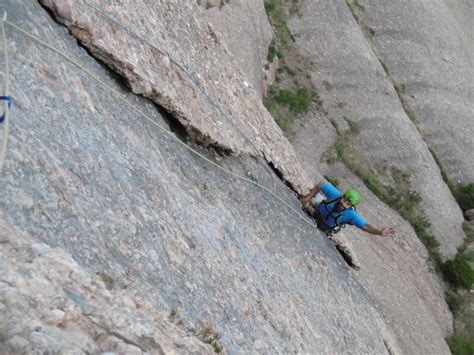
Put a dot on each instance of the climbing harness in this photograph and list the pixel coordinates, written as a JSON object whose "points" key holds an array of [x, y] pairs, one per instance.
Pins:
{"points": [[5, 118], [118, 96], [322, 225]]}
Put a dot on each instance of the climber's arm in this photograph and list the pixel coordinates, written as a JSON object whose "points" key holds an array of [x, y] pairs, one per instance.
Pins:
{"points": [[307, 199], [384, 232]]}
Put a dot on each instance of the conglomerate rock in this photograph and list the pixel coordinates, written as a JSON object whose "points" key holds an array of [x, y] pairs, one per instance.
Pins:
{"points": [[354, 86], [181, 31], [247, 33], [50, 304], [428, 47], [395, 272], [160, 229], [87, 174]]}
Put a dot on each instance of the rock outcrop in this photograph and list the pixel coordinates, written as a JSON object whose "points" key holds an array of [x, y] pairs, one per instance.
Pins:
{"points": [[247, 33], [111, 229], [428, 47], [394, 271], [86, 174], [184, 36], [50, 304], [353, 85]]}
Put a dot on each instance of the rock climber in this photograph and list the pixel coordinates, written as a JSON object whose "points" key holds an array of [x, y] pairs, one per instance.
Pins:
{"points": [[332, 210]]}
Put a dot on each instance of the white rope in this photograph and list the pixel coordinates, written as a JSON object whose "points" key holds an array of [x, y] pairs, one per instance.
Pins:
{"points": [[164, 53], [6, 93], [179, 66], [148, 118]]}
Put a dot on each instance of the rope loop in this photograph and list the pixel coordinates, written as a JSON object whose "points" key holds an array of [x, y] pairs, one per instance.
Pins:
{"points": [[117, 95]]}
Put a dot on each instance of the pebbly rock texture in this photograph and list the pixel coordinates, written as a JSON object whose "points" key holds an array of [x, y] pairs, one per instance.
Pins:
{"points": [[394, 271], [182, 32], [86, 174], [312, 137], [428, 47], [354, 86], [247, 33], [50, 304]]}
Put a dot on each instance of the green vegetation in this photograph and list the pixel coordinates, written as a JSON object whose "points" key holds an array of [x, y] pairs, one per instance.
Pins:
{"points": [[334, 181], [385, 67], [295, 102], [207, 334], [357, 10], [273, 51], [289, 70], [465, 196], [353, 127], [357, 5], [454, 301], [398, 195], [460, 345], [298, 102], [277, 18], [294, 7], [458, 272], [284, 121], [292, 92]]}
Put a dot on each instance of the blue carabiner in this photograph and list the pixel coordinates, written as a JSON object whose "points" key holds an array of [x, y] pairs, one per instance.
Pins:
{"points": [[8, 99]]}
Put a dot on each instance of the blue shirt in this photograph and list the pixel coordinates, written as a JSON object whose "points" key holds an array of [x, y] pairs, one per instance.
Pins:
{"points": [[348, 216]]}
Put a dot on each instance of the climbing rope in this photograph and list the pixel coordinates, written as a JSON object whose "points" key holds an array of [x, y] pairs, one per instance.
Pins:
{"points": [[148, 118], [178, 65], [186, 73], [6, 99]]}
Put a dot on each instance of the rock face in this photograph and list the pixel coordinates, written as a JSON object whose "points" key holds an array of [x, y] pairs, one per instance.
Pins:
{"points": [[428, 47], [116, 224], [247, 34], [50, 304], [86, 174], [181, 31], [354, 86], [394, 271]]}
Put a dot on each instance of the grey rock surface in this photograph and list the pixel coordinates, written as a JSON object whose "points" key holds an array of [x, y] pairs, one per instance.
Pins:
{"points": [[428, 47], [395, 272], [353, 85], [312, 137], [247, 34], [181, 30], [87, 175], [40, 288]]}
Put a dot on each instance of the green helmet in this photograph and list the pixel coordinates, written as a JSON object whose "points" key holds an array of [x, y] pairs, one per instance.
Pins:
{"points": [[352, 196]]}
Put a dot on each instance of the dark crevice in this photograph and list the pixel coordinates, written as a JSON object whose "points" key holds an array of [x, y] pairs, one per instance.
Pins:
{"points": [[172, 123], [185, 134], [346, 255], [280, 176]]}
